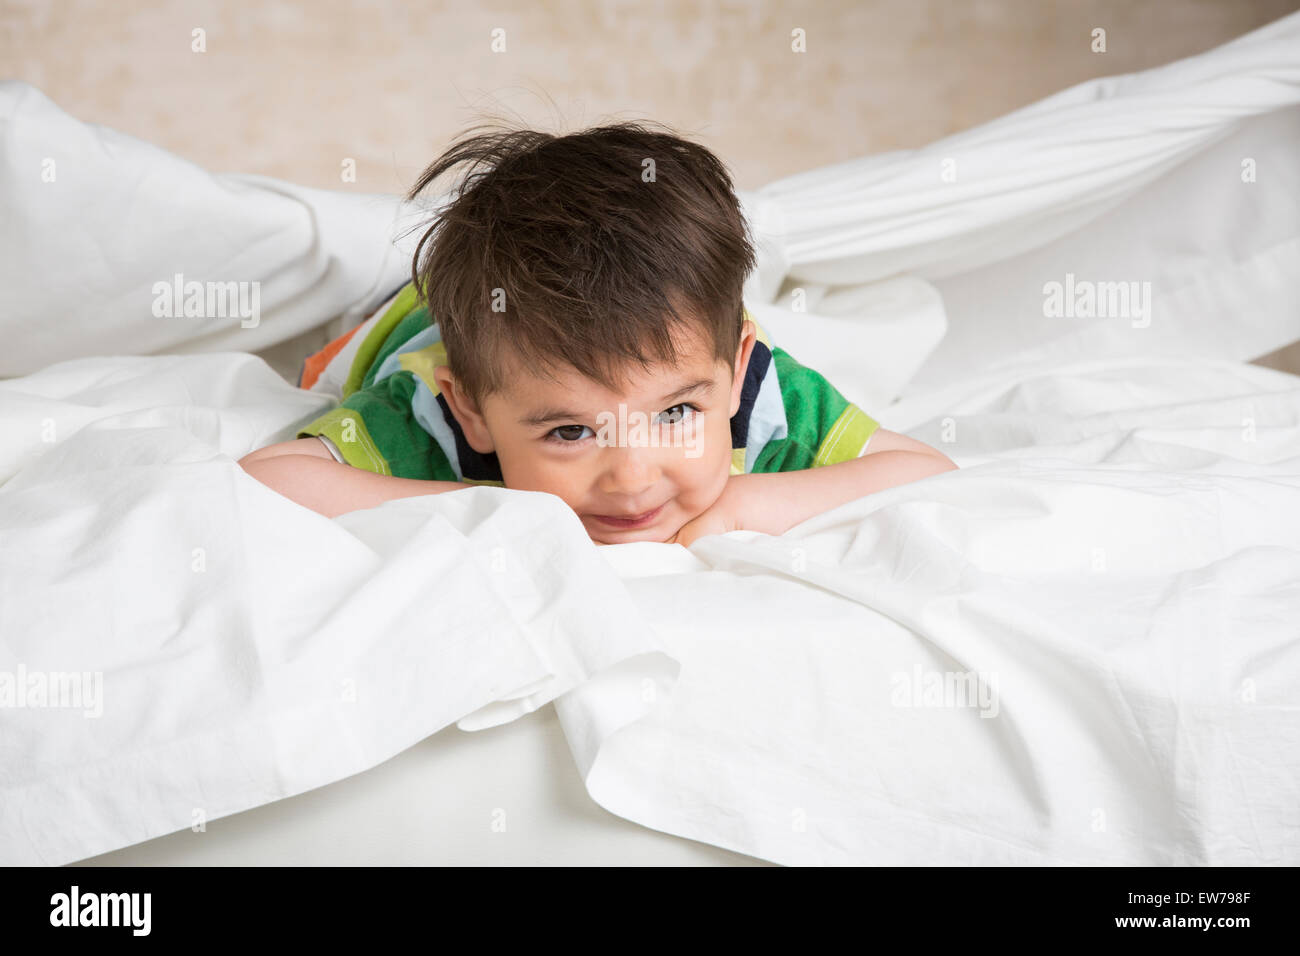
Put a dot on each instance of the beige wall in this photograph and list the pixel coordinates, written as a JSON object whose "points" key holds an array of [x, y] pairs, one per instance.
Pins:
{"points": [[292, 88]]}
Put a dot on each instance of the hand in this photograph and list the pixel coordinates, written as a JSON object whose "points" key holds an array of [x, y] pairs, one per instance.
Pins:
{"points": [[722, 516]]}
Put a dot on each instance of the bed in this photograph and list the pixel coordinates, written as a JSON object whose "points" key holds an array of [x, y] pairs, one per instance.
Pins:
{"points": [[1080, 648]]}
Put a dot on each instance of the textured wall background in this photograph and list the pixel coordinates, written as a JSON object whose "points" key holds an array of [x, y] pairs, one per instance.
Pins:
{"points": [[289, 88], [293, 88]]}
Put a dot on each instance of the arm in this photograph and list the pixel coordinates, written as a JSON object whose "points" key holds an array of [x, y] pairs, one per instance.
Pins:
{"points": [[329, 487], [773, 503], [301, 446]]}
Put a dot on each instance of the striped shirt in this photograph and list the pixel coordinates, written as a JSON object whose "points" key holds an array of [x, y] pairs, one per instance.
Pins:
{"points": [[392, 419]]}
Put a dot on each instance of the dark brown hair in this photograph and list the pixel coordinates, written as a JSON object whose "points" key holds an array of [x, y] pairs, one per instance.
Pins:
{"points": [[597, 261]]}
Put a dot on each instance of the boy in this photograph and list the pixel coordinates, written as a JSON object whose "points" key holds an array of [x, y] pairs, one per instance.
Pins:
{"points": [[577, 284]]}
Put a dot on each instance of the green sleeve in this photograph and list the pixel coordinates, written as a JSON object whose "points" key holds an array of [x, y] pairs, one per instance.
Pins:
{"points": [[824, 427], [375, 429], [381, 340]]}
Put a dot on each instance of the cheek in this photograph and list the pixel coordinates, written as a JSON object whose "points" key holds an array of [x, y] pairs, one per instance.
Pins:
{"points": [[527, 471], [702, 478]]}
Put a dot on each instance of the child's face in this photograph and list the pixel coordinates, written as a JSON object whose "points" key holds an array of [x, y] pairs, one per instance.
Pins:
{"points": [[602, 470]]}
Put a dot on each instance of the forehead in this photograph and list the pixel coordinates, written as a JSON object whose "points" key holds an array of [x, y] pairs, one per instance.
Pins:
{"points": [[695, 360]]}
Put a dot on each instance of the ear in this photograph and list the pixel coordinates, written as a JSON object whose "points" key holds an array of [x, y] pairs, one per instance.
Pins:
{"points": [[467, 413], [748, 336]]}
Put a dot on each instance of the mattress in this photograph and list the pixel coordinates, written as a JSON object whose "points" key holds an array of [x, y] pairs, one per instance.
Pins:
{"points": [[506, 796]]}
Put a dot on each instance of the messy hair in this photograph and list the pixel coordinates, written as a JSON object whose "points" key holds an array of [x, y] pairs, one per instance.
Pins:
{"points": [[597, 243]]}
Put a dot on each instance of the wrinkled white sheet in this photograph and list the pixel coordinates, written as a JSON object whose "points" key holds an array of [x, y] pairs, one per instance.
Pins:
{"points": [[91, 219], [248, 648], [1118, 558], [1117, 564], [1184, 177]]}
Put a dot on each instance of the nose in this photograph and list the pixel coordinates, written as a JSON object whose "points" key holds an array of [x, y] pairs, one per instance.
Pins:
{"points": [[630, 472]]}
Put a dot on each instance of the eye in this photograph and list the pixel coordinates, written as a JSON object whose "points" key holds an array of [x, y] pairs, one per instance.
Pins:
{"points": [[674, 419], [563, 435], [573, 434]]}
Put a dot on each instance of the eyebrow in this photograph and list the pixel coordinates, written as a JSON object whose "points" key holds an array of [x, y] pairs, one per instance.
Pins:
{"points": [[547, 415]]}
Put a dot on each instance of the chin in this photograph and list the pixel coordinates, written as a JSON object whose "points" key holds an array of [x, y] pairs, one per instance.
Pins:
{"points": [[660, 531]]}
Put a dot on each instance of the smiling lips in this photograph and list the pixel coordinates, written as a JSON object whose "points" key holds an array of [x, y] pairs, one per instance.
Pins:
{"points": [[630, 521]]}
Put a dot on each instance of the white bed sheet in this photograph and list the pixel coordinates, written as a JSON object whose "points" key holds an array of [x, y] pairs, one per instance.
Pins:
{"points": [[248, 649], [94, 218], [1117, 564], [1119, 552]]}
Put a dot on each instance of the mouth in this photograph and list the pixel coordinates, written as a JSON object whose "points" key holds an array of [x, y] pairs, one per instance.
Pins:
{"points": [[630, 521]]}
